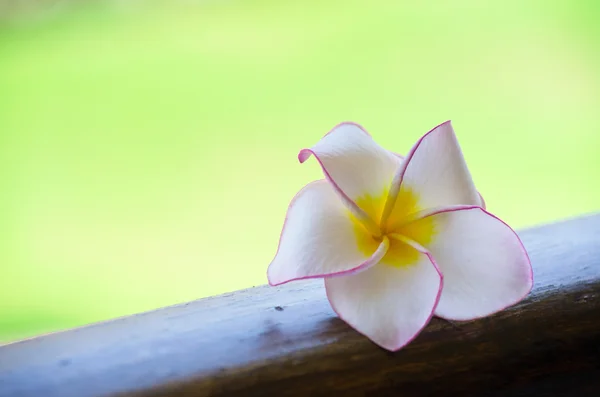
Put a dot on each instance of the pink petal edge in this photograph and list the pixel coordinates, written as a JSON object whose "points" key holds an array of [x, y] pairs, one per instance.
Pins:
{"points": [[398, 178], [373, 260], [305, 154], [363, 129], [412, 151], [397, 181], [473, 207], [437, 299]]}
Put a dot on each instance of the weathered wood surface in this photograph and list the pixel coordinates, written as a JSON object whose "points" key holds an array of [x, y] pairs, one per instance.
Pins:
{"points": [[286, 341]]}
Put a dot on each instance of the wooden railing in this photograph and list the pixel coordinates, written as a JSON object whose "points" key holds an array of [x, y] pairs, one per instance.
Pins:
{"points": [[286, 341]]}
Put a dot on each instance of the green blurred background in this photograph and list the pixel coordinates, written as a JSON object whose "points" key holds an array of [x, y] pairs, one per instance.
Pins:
{"points": [[148, 152]]}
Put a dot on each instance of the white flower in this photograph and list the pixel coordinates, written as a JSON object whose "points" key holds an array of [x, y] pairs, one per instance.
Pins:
{"points": [[399, 240]]}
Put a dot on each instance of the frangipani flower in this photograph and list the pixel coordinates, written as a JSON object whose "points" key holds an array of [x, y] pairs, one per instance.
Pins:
{"points": [[398, 240]]}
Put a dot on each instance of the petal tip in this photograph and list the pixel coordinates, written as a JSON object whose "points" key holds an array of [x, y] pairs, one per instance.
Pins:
{"points": [[523, 284], [270, 280], [399, 341], [445, 126], [403, 342], [349, 124], [274, 280], [304, 154], [526, 258]]}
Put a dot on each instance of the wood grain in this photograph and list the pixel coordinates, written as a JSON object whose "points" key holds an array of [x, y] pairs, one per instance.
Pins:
{"points": [[286, 341]]}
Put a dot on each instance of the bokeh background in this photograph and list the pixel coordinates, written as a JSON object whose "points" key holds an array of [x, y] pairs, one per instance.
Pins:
{"points": [[148, 150]]}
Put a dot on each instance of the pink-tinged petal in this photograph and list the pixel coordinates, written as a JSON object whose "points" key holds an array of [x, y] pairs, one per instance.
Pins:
{"points": [[388, 304], [485, 266], [354, 163], [319, 238], [436, 171]]}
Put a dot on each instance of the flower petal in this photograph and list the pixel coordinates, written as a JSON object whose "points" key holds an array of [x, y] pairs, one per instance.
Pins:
{"points": [[388, 304], [484, 263], [318, 238], [354, 163], [481, 201], [436, 171]]}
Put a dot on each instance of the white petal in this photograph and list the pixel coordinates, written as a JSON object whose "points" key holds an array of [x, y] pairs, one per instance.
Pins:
{"points": [[435, 170], [388, 304], [318, 238], [481, 201], [354, 162], [484, 263]]}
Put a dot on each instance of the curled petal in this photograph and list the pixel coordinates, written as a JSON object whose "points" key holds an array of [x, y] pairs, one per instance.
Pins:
{"points": [[319, 239], [484, 263], [436, 171], [389, 304], [354, 163]]}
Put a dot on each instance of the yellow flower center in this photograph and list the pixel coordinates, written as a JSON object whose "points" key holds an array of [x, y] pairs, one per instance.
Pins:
{"points": [[397, 228]]}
